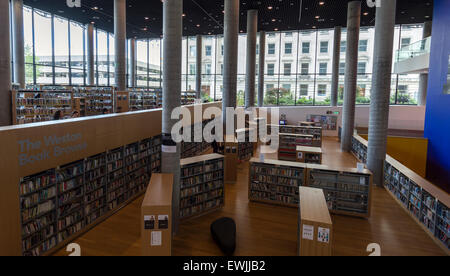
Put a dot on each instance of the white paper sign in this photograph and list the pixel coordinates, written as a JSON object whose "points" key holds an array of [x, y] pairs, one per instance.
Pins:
{"points": [[156, 238], [360, 167], [308, 232], [323, 235]]}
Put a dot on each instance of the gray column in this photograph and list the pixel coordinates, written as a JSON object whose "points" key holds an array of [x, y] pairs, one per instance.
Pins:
{"points": [[132, 64], [18, 42], [427, 29], [381, 88], [172, 35], [351, 66], [120, 34], [231, 32], [250, 86], [423, 88], [90, 54], [336, 61], [5, 66], [423, 78], [198, 67], [262, 63]]}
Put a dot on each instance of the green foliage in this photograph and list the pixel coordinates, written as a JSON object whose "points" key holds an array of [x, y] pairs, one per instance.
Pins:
{"points": [[279, 95], [207, 98], [305, 101]]}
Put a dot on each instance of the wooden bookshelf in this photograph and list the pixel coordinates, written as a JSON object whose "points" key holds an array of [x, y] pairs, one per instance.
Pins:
{"points": [[202, 185], [156, 217], [58, 204], [245, 146], [347, 191], [288, 143], [424, 202], [359, 148], [276, 182], [316, 132], [310, 155], [315, 227]]}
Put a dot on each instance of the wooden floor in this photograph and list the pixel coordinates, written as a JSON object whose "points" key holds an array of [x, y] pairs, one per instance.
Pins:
{"points": [[266, 230]]}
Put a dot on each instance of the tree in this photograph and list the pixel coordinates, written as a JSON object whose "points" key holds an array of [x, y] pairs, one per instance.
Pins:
{"points": [[279, 95]]}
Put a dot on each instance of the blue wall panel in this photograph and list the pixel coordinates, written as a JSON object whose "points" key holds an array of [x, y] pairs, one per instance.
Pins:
{"points": [[437, 120]]}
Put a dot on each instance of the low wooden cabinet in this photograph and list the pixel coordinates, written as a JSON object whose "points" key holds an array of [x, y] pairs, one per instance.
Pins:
{"points": [[310, 155], [315, 227], [156, 217]]}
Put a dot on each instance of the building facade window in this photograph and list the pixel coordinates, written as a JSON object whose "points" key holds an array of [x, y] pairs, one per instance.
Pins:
{"points": [[305, 69], [363, 46], [342, 68], [322, 90], [405, 42], [323, 68], [271, 49], [324, 47], [287, 69], [208, 50], [343, 46], [304, 90], [305, 47], [288, 48], [192, 51], [270, 69], [361, 68], [192, 70]]}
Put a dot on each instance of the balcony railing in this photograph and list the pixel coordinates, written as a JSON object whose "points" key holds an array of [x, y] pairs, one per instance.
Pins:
{"points": [[415, 49]]}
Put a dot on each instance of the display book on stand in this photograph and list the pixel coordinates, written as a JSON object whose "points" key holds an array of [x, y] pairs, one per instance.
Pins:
{"points": [[202, 185], [347, 191], [60, 203], [425, 202]]}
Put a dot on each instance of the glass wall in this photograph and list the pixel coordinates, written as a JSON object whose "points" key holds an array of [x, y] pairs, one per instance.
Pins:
{"points": [[297, 64]]}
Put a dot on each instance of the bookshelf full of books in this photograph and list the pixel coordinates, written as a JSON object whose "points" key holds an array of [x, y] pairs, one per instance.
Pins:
{"points": [[426, 203], [59, 203], [288, 144], [188, 97], [143, 99], [191, 149], [30, 106], [99, 99], [316, 132], [246, 148], [202, 185], [276, 182], [359, 148], [347, 191], [326, 122]]}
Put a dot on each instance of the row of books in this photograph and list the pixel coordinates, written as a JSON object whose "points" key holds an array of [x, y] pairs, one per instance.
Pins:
{"points": [[202, 187], [427, 209], [58, 203]]}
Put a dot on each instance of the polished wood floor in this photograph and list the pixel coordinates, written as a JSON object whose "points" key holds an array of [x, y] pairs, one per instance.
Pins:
{"points": [[266, 230]]}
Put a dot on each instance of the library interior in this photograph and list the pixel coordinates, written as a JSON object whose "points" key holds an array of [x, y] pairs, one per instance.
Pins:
{"points": [[225, 128]]}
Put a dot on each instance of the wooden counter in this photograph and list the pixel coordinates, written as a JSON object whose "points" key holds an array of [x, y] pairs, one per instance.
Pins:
{"points": [[309, 155], [315, 225], [156, 217]]}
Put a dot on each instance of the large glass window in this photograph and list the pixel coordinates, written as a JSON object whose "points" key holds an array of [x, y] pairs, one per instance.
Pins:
{"points": [[28, 36], [142, 63], [43, 47]]}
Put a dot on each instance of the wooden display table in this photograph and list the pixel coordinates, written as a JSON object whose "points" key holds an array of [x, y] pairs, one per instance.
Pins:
{"points": [[156, 217], [315, 225], [311, 155]]}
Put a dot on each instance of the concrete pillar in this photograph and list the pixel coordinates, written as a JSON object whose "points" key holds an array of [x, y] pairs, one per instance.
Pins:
{"points": [[172, 36], [231, 32], [250, 85], [90, 54], [198, 67], [427, 29], [381, 88], [351, 66], [261, 72], [423, 78], [5, 66], [120, 34], [336, 61], [423, 88], [18, 42], [132, 65]]}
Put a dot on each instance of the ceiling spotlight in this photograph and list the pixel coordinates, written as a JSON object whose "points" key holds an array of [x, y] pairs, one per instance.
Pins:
{"points": [[321, 3], [270, 7]]}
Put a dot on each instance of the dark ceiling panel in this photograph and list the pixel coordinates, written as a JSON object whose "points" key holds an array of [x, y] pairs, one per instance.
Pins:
{"points": [[144, 17]]}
